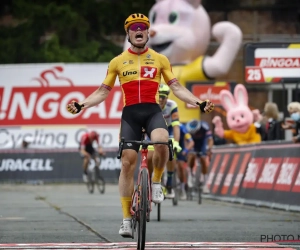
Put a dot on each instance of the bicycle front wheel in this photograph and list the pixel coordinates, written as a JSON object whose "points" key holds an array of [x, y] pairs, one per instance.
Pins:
{"points": [[90, 183], [199, 184], [142, 209], [174, 182], [158, 211], [100, 182]]}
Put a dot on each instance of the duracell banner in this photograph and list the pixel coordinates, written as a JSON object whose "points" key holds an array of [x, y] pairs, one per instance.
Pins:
{"points": [[53, 165], [267, 172]]}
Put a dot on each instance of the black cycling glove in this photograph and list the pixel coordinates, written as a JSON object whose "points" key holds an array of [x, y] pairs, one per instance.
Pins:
{"points": [[77, 106], [202, 105]]}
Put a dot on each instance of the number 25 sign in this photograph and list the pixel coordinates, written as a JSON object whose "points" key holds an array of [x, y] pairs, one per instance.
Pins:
{"points": [[254, 74]]}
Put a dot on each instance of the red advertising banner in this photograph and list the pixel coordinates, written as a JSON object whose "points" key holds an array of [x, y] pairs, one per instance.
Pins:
{"points": [[213, 171], [39, 105], [265, 172], [253, 170], [230, 174], [221, 173], [38, 95], [240, 174], [269, 173], [287, 174], [296, 187]]}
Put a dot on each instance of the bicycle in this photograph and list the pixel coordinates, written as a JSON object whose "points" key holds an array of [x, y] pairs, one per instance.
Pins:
{"points": [[175, 186], [95, 178], [141, 197], [197, 184]]}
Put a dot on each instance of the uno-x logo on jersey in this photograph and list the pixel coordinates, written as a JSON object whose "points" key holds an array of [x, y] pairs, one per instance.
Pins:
{"points": [[148, 72]]}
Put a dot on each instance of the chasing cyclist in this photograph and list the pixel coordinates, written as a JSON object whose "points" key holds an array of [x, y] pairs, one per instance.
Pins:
{"points": [[88, 152], [139, 70], [204, 142], [186, 142], [170, 113]]}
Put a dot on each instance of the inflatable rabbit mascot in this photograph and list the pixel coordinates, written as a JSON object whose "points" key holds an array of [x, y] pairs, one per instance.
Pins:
{"points": [[181, 30], [239, 118]]}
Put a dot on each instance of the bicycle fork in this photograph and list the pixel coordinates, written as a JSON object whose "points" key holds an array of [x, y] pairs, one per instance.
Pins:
{"points": [[134, 209], [135, 204], [149, 199]]}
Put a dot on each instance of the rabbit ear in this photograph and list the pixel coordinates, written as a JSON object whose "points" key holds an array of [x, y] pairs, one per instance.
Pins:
{"points": [[241, 95], [227, 99]]}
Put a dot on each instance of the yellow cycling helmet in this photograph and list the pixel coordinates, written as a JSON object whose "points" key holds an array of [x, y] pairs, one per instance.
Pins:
{"points": [[136, 18], [164, 90]]}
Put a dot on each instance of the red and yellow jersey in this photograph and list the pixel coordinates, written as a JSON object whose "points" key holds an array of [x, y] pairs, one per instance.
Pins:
{"points": [[85, 140], [139, 75]]}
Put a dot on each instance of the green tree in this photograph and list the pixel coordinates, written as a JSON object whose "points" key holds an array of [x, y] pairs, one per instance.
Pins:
{"points": [[63, 31]]}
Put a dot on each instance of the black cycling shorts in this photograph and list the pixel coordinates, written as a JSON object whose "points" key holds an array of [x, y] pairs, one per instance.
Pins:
{"points": [[89, 148], [135, 117]]}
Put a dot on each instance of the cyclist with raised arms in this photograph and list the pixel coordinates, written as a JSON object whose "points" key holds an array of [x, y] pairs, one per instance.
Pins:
{"points": [[170, 113], [139, 81]]}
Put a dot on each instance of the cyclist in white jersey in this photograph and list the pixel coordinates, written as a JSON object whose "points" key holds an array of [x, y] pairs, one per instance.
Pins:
{"points": [[170, 113]]}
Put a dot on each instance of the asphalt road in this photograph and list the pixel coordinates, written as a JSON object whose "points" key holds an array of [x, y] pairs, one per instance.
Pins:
{"points": [[69, 214]]}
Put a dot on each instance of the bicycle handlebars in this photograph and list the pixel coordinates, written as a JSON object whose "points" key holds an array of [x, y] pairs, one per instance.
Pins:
{"points": [[145, 144]]}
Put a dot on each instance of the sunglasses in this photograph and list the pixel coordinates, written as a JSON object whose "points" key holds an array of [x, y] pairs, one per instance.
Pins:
{"points": [[163, 97], [136, 26]]}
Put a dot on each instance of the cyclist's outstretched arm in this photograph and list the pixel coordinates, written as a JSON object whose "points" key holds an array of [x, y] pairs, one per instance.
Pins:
{"points": [[184, 94], [179, 91], [101, 93], [95, 98]]}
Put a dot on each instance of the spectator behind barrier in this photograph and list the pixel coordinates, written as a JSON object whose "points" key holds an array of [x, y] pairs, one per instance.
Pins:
{"points": [[259, 124], [239, 118], [268, 124], [272, 123], [217, 140], [294, 111]]}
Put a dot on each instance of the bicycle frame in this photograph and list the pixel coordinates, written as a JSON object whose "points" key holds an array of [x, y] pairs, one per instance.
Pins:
{"points": [[136, 193]]}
